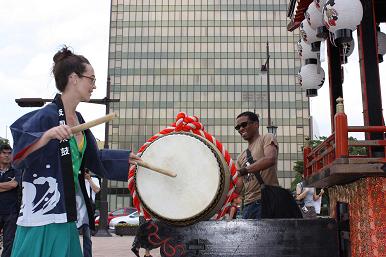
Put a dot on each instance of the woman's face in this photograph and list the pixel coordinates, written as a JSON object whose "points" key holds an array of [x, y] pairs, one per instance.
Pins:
{"points": [[86, 83]]}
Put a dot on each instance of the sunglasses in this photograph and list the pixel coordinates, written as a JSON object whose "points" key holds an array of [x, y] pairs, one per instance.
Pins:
{"points": [[242, 125]]}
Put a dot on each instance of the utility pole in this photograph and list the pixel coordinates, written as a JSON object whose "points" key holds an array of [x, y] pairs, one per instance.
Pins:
{"points": [[265, 68]]}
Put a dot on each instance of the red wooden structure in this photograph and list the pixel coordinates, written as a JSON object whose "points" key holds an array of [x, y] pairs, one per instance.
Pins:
{"points": [[330, 163], [356, 184]]}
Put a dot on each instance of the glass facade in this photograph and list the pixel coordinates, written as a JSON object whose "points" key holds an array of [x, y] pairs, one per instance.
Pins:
{"points": [[203, 57]]}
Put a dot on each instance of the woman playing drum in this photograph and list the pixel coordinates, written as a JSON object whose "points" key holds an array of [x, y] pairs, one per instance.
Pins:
{"points": [[54, 160]]}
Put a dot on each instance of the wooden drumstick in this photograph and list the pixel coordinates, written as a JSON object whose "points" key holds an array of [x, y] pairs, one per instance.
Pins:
{"points": [[156, 169], [93, 123]]}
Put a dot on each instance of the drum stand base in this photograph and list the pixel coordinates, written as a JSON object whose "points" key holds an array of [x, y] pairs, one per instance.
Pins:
{"points": [[280, 237]]}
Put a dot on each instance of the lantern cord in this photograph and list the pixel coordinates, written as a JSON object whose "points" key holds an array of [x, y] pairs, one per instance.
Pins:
{"points": [[344, 51], [331, 37], [318, 63]]}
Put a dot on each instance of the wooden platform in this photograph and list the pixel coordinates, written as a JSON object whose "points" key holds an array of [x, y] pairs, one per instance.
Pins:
{"points": [[267, 238], [346, 170]]}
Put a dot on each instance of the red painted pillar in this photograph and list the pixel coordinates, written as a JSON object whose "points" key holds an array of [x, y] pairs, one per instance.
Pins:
{"points": [[341, 130]]}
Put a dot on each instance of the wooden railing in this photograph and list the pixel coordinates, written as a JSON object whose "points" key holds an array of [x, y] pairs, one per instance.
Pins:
{"points": [[337, 145]]}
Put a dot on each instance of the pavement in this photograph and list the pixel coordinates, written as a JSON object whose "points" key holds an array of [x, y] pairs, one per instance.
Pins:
{"points": [[115, 246]]}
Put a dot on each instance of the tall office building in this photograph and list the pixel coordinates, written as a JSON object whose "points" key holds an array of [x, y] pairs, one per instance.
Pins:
{"points": [[203, 57]]}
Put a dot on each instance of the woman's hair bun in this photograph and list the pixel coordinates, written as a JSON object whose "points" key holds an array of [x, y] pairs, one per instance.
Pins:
{"points": [[62, 54]]}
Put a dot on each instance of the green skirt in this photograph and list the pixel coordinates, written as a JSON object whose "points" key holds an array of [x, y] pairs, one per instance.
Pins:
{"points": [[52, 240]]}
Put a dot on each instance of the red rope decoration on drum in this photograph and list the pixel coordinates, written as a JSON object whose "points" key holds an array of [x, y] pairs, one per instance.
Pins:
{"points": [[188, 124]]}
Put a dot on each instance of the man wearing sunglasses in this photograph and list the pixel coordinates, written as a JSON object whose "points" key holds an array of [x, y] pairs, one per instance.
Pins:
{"points": [[262, 157]]}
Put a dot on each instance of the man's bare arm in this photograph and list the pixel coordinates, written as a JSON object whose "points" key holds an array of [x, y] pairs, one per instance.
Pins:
{"points": [[94, 186], [269, 160], [9, 185]]}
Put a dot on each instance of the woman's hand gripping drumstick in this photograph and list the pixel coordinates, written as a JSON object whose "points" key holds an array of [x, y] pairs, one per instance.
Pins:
{"points": [[63, 132], [156, 169]]}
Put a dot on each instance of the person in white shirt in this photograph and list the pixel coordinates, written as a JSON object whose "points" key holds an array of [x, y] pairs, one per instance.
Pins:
{"points": [[318, 202], [92, 188], [310, 200]]}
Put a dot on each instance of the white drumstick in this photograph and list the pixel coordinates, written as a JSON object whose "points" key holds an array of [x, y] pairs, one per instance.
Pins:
{"points": [[156, 169]]}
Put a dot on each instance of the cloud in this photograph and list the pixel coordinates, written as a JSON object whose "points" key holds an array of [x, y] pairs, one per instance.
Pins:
{"points": [[32, 31]]}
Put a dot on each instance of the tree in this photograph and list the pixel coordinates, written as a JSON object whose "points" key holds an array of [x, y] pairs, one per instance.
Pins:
{"points": [[299, 165], [298, 168], [356, 150], [3, 141], [315, 142]]}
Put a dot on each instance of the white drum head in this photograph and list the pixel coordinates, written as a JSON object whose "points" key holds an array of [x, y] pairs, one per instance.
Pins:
{"points": [[197, 182]]}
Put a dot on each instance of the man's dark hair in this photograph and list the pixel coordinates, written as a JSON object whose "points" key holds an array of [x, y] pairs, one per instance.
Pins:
{"points": [[5, 147], [251, 116]]}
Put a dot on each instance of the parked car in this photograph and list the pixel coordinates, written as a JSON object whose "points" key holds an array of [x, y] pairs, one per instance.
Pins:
{"points": [[117, 213], [132, 219], [96, 213]]}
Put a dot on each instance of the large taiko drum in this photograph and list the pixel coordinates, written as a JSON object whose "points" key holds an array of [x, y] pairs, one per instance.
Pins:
{"points": [[197, 192]]}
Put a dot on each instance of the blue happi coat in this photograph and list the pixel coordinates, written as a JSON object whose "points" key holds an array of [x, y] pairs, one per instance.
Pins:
{"points": [[46, 198]]}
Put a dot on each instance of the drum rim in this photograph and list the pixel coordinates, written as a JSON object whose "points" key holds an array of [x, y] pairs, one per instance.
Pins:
{"points": [[223, 187]]}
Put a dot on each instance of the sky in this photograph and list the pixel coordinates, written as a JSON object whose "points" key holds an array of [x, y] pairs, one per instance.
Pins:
{"points": [[31, 32]]}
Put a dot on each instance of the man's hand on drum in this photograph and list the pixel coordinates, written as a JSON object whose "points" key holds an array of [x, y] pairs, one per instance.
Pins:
{"points": [[133, 158], [242, 171]]}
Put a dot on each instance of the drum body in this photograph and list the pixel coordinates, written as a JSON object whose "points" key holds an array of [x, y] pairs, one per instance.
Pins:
{"points": [[200, 188]]}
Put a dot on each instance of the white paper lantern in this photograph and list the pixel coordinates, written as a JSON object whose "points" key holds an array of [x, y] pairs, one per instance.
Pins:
{"points": [[314, 17], [310, 80], [307, 33], [319, 4], [309, 36], [304, 51], [381, 39], [341, 17], [381, 43]]}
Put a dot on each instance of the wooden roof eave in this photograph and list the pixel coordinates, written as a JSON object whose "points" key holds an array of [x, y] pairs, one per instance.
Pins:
{"points": [[298, 13]]}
